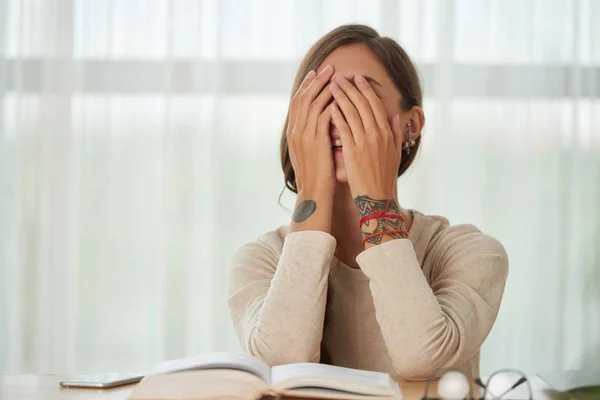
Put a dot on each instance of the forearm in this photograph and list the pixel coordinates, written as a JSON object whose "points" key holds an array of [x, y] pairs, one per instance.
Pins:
{"points": [[279, 317], [442, 323], [417, 333]]}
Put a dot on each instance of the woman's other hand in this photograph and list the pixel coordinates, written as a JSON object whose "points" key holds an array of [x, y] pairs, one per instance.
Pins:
{"points": [[372, 146], [372, 150], [311, 153]]}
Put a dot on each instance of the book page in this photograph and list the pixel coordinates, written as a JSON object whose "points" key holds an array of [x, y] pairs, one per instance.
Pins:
{"points": [[204, 384], [243, 362], [320, 393], [311, 375]]}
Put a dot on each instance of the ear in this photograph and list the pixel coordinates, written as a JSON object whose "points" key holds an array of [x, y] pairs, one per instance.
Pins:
{"points": [[417, 121]]}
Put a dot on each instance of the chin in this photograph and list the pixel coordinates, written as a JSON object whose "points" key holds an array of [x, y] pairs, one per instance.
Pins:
{"points": [[340, 175], [340, 170]]}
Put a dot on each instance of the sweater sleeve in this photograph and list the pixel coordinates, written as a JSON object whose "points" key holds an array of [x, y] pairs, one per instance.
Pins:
{"points": [[443, 325], [277, 299]]}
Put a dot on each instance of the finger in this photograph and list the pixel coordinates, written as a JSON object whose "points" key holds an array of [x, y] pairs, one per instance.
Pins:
{"points": [[340, 123], [311, 92], [293, 113], [397, 132], [316, 109], [350, 113], [324, 120], [374, 102], [360, 103]]}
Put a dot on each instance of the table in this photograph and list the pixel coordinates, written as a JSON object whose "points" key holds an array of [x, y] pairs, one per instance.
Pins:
{"points": [[45, 387]]}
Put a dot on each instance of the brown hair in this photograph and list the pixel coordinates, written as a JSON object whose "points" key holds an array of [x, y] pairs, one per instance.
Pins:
{"points": [[394, 59]]}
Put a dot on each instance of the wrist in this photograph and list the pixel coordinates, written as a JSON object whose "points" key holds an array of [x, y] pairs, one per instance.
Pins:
{"points": [[380, 219], [378, 195], [368, 204], [313, 211], [322, 193]]}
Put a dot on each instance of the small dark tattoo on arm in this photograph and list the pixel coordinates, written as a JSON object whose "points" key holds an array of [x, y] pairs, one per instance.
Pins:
{"points": [[367, 206], [304, 210]]}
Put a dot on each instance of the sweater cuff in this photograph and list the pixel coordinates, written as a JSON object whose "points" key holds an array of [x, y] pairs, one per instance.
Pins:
{"points": [[317, 240], [386, 256], [306, 257], [312, 247]]}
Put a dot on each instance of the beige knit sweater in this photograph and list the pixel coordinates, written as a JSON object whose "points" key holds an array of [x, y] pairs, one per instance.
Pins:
{"points": [[415, 305]]}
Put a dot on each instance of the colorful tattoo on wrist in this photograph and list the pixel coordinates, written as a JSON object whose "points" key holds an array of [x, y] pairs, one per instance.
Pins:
{"points": [[379, 218]]}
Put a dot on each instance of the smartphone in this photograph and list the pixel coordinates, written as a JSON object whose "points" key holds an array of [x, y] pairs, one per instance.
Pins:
{"points": [[101, 381]]}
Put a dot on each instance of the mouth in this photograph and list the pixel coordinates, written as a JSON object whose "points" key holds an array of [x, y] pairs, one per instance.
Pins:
{"points": [[336, 144], [334, 134]]}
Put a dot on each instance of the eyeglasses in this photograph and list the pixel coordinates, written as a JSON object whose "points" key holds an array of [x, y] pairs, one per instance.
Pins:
{"points": [[454, 384]]}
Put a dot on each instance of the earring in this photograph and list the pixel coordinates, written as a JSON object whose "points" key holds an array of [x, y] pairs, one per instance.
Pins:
{"points": [[408, 140]]}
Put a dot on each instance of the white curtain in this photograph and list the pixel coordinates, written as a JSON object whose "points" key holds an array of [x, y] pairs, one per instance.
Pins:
{"points": [[139, 147]]}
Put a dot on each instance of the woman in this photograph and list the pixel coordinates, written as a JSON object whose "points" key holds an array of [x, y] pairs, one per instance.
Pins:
{"points": [[356, 280]]}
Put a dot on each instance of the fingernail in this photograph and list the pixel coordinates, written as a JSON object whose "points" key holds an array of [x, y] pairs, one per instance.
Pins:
{"points": [[397, 117], [326, 69], [311, 74], [359, 78], [334, 87]]}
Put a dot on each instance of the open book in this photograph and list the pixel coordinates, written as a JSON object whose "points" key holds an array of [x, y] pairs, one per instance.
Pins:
{"points": [[227, 375]]}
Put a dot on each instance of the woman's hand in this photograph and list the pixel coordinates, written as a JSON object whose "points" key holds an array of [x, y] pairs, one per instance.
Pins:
{"points": [[371, 147], [308, 133], [372, 151], [311, 154]]}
